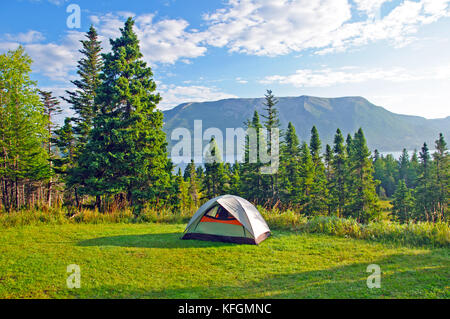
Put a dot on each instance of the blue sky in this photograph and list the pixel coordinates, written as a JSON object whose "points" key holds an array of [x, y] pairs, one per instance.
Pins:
{"points": [[395, 53]]}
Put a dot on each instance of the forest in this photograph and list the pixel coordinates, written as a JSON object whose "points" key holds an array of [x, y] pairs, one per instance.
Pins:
{"points": [[113, 153]]}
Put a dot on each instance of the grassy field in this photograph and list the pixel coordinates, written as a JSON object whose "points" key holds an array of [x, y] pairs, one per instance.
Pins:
{"points": [[150, 261]]}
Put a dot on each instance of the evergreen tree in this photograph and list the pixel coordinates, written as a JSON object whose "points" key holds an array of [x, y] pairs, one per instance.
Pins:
{"points": [[290, 168], [64, 139], [214, 180], [254, 187], [338, 185], [424, 191], [307, 179], [442, 177], [82, 100], [127, 153], [194, 198], [51, 109], [187, 170], [329, 174], [235, 180], [413, 171], [403, 166], [319, 190], [403, 203], [364, 201]]}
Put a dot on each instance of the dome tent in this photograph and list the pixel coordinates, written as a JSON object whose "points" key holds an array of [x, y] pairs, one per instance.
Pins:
{"points": [[228, 218]]}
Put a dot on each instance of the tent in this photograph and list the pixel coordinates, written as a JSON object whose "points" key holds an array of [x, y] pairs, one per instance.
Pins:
{"points": [[228, 218]]}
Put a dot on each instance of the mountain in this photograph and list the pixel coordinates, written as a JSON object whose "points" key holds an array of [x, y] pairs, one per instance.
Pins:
{"points": [[384, 130]]}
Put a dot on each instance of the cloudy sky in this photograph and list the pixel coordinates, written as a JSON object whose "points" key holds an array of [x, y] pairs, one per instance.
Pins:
{"points": [[394, 53]]}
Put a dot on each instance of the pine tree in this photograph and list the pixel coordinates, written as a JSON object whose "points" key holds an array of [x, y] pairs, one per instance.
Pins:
{"points": [[271, 123], [187, 170], [403, 166], [64, 139], [306, 179], [424, 191], [329, 174], [193, 187], [413, 171], [51, 109], [83, 103], [82, 100], [254, 186], [403, 203], [235, 180], [339, 186], [442, 177], [127, 153], [364, 205], [214, 180], [290, 184], [319, 191]]}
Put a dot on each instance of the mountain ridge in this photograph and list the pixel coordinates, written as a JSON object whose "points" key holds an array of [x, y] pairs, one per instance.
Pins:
{"points": [[327, 114]]}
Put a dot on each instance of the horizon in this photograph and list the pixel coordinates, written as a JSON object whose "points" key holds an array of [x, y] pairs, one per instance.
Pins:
{"points": [[391, 52], [299, 96]]}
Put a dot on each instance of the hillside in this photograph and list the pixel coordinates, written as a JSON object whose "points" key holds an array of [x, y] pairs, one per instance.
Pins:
{"points": [[384, 130]]}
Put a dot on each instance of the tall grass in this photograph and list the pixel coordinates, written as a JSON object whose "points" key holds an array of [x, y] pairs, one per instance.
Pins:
{"points": [[417, 234], [64, 215]]}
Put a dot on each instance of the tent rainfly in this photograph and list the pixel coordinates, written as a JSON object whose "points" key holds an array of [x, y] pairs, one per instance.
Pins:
{"points": [[228, 218]]}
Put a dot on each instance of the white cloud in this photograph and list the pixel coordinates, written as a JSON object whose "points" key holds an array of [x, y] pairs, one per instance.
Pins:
{"points": [[174, 95], [264, 27], [163, 41], [370, 7], [53, 60], [27, 37], [346, 75]]}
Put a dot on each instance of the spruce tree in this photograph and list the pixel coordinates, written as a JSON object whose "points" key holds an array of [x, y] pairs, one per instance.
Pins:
{"points": [[214, 180], [235, 180], [442, 177], [319, 191], [193, 186], [82, 100], [424, 191], [403, 166], [339, 187], [364, 205], [271, 123], [51, 109], [254, 186], [290, 183], [306, 179], [127, 152], [403, 203], [413, 171]]}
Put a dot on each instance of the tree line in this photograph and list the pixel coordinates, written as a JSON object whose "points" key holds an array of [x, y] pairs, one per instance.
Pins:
{"points": [[113, 152]]}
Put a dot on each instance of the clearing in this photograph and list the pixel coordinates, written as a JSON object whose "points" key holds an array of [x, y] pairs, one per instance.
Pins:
{"points": [[150, 261]]}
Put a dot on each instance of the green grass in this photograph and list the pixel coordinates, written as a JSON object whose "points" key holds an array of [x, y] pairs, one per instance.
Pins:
{"points": [[150, 261]]}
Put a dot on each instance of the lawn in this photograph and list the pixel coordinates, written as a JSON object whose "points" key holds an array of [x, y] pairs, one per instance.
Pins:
{"points": [[150, 261]]}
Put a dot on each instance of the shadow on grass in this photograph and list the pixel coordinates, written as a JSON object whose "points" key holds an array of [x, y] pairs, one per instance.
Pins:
{"points": [[402, 277], [164, 240]]}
